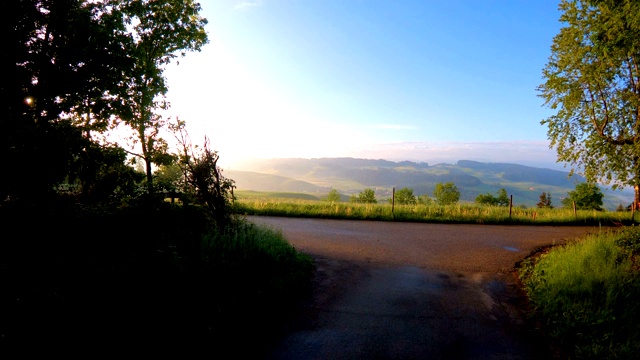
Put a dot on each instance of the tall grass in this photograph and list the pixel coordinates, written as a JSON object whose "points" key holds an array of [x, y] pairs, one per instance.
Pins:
{"points": [[460, 213], [258, 261], [585, 295]]}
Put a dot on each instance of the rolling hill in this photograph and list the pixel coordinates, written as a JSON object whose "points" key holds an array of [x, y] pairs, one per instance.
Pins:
{"points": [[352, 175]]}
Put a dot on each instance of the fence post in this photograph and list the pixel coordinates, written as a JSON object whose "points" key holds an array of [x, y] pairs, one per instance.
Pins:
{"points": [[510, 205], [393, 200]]}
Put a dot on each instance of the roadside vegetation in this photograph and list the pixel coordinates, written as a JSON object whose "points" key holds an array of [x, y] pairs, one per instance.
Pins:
{"points": [[95, 253], [582, 206], [585, 294], [140, 276], [466, 213]]}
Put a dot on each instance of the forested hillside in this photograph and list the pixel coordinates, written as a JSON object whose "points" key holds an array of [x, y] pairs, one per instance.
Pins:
{"points": [[351, 175]]}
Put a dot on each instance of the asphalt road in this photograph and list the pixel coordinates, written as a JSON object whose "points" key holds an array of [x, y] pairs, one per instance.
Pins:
{"points": [[414, 291]]}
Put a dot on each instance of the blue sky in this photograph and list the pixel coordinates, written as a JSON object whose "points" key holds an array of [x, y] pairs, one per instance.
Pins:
{"points": [[432, 80]]}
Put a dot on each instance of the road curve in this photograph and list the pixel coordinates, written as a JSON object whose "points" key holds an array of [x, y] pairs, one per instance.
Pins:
{"points": [[457, 247], [387, 290]]}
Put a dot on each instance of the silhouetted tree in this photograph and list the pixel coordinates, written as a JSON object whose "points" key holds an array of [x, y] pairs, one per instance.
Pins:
{"points": [[545, 201], [203, 177], [60, 59], [157, 31]]}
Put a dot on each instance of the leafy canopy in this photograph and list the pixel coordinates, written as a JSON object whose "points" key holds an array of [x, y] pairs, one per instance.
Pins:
{"points": [[446, 194], [156, 32], [502, 199], [333, 196], [367, 196], [592, 80], [405, 196], [63, 65], [586, 197]]}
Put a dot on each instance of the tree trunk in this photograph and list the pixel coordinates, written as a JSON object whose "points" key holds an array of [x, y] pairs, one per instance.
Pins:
{"points": [[636, 200], [149, 176], [146, 155]]}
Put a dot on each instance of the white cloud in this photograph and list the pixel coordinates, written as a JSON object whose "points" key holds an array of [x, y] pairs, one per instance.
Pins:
{"points": [[531, 153], [246, 5], [393, 127]]}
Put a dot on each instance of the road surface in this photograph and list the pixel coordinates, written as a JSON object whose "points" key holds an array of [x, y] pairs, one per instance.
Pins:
{"points": [[387, 290]]}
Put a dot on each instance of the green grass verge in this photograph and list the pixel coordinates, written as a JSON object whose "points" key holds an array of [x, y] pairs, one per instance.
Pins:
{"points": [[460, 213], [585, 295]]}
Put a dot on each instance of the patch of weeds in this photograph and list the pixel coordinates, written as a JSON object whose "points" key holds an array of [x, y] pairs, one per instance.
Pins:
{"points": [[585, 295]]}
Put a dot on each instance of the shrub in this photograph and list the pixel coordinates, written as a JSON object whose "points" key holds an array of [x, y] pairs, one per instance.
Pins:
{"points": [[446, 194]]}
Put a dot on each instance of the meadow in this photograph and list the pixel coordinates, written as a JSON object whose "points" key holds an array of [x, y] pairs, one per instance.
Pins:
{"points": [[585, 295], [459, 213]]}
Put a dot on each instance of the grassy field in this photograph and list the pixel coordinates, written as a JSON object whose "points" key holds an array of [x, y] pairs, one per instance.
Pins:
{"points": [[585, 295], [461, 213]]}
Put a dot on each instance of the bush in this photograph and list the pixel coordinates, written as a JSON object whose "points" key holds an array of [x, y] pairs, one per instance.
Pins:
{"points": [[487, 199], [366, 196], [405, 196], [446, 194]]}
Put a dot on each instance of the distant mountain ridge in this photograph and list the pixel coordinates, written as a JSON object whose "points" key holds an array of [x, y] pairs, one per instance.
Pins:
{"points": [[351, 175]]}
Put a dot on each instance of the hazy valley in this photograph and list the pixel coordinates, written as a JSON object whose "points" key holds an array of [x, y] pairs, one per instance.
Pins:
{"points": [[313, 178]]}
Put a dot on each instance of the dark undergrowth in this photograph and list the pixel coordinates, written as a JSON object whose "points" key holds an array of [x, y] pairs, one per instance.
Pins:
{"points": [[151, 279]]}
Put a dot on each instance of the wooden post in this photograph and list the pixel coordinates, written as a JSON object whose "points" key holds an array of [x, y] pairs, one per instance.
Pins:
{"points": [[393, 200], [510, 205]]}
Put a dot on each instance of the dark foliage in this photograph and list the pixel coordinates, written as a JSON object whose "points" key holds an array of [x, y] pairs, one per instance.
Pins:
{"points": [[58, 59], [502, 199], [89, 259], [545, 201], [132, 278]]}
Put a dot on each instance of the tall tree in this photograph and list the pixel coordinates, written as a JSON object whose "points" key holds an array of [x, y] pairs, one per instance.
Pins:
{"points": [[592, 79], [545, 201], [158, 32], [58, 55]]}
